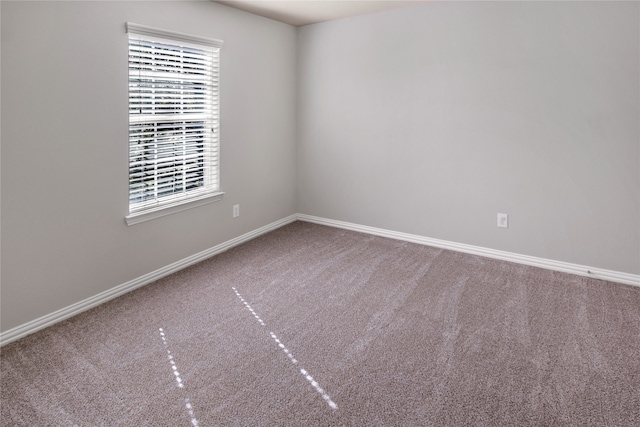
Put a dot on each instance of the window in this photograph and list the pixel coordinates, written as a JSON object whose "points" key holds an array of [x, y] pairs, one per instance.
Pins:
{"points": [[174, 122]]}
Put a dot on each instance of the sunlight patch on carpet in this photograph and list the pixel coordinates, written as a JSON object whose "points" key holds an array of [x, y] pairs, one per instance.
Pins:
{"points": [[293, 360], [176, 373], [246, 304]]}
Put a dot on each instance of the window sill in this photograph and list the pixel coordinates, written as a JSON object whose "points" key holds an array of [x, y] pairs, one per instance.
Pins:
{"points": [[161, 211]]}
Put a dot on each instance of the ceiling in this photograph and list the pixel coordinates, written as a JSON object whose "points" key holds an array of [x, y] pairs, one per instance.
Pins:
{"points": [[304, 12]]}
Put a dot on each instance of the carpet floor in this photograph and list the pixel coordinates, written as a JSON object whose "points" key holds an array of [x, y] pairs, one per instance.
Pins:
{"points": [[316, 326]]}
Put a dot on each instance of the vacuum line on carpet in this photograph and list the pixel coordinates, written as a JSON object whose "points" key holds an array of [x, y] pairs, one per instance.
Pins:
{"points": [[293, 360], [174, 369]]}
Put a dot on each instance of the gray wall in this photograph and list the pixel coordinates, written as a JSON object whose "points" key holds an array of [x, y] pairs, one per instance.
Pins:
{"points": [[432, 119], [426, 120], [64, 146]]}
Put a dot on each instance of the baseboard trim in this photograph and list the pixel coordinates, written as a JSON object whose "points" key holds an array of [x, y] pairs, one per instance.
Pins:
{"points": [[580, 270], [84, 305]]}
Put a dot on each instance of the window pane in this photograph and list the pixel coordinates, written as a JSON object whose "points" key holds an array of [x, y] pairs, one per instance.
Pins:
{"points": [[173, 116]]}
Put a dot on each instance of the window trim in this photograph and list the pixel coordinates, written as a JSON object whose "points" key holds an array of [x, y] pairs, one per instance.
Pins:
{"points": [[182, 205], [188, 202], [145, 30]]}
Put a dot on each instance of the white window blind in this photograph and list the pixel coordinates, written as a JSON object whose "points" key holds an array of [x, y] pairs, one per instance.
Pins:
{"points": [[174, 90]]}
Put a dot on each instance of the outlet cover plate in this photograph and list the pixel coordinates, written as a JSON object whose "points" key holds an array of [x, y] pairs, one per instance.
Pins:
{"points": [[503, 220]]}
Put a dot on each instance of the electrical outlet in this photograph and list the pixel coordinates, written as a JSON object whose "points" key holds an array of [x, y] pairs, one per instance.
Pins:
{"points": [[236, 211], [503, 220]]}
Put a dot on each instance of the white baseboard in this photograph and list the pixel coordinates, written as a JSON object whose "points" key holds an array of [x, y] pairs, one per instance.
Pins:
{"points": [[580, 270], [77, 308]]}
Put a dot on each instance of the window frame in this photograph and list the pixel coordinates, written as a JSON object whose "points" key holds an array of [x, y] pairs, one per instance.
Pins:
{"points": [[159, 206]]}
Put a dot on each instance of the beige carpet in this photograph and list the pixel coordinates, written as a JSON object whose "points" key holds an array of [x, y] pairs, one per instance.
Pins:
{"points": [[315, 326]]}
